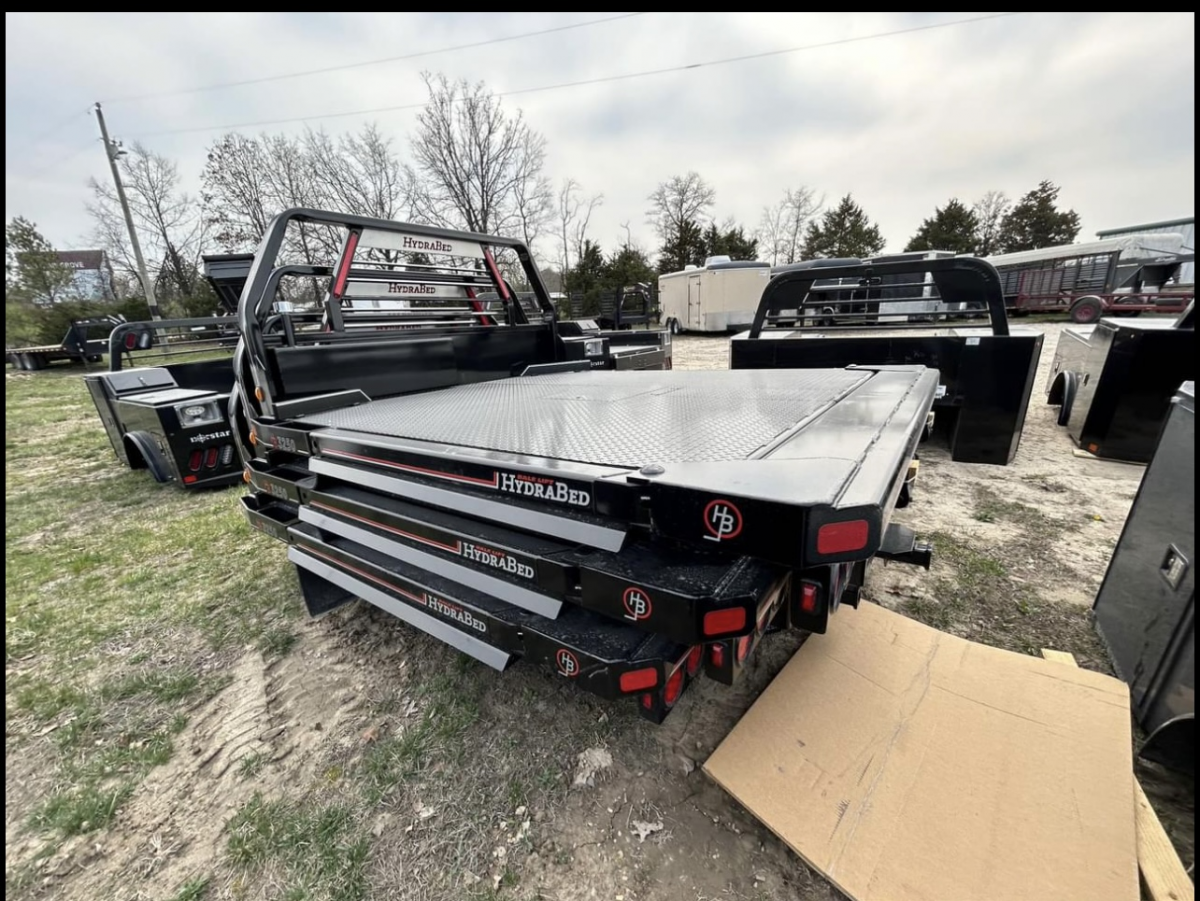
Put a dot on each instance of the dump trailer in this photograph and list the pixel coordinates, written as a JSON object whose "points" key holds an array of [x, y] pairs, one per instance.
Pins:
{"points": [[1113, 381], [811, 317], [630, 530], [77, 346]]}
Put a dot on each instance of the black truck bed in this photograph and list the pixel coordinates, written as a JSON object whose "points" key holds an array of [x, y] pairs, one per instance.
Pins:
{"points": [[740, 462]]}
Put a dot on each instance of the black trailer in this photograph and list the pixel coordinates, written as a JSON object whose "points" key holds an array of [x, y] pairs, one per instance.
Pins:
{"points": [[628, 529], [811, 316], [1146, 607], [621, 309], [1113, 381], [77, 346]]}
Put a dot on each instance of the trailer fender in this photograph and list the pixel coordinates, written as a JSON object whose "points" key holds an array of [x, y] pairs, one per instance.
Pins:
{"points": [[143, 453], [1062, 392]]}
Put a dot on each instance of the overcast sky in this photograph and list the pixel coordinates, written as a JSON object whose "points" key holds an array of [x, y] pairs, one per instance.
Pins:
{"points": [[1102, 104]]}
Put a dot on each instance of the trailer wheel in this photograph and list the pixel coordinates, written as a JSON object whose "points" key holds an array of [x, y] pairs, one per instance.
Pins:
{"points": [[35, 362], [1087, 310], [673, 325]]}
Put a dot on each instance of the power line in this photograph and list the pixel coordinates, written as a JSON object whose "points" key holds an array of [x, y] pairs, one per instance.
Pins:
{"points": [[590, 81], [374, 62], [42, 170], [58, 127]]}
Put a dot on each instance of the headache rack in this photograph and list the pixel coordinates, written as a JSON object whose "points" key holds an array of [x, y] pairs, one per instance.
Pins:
{"points": [[934, 309], [486, 485]]}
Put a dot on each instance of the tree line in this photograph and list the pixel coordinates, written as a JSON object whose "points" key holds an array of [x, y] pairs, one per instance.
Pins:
{"points": [[472, 164]]}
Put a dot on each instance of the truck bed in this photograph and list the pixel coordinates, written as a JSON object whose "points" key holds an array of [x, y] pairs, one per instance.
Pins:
{"points": [[740, 462]]}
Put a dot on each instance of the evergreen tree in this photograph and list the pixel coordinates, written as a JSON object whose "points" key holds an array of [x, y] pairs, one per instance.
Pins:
{"points": [[952, 227], [1036, 221], [844, 231]]}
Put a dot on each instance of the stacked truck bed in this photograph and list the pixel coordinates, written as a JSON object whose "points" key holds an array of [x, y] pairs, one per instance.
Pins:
{"points": [[628, 529]]}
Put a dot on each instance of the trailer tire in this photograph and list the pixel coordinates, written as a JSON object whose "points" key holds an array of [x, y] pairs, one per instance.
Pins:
{"points": [[143, 453], [35, 362], [1087, 310], [673, 325], [1062, 392]]}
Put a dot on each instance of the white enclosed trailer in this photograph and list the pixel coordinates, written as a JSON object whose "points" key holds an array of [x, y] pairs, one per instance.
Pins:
{"points": [[719, 296]]}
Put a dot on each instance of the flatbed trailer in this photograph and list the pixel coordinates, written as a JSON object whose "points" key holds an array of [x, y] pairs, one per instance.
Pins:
{"points": [[629, 529], [77, 346], [986, 369]]}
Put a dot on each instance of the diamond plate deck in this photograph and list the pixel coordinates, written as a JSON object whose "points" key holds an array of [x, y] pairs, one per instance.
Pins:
{"points": [[610, 418]]}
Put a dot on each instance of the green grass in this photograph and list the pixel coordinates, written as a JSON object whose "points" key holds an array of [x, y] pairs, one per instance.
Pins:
{"points": [[121, 596], [193, 890], [315, 852]]}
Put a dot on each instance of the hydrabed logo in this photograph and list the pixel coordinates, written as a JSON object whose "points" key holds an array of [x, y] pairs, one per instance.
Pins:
{"points": [[722, 521], [496, 560], [402, 288], [542, 489], [637, 604], [454, 612], [567, 663], [431, 246]]}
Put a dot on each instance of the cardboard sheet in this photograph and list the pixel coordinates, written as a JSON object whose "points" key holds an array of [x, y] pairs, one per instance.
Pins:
{"points": [[906, 764]]}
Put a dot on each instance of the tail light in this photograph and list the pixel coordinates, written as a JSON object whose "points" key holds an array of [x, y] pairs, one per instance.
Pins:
{"points": [[843, 537], [210, 458], [674, 687], [809, 596], [722, 622], [717, 655], [639, 679], [195, 460], [226, 454]]}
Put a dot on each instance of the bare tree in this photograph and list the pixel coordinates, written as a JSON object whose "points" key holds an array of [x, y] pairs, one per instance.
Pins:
{"points": [[989, 210], [237, 202], [781, 228], [474, 165], [574, 217], [677, 201], [169, 221]]}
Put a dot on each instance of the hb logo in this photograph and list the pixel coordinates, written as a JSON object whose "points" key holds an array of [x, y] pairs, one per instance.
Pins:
{"points": [[567, 662], [637, 604], [722, 520]]}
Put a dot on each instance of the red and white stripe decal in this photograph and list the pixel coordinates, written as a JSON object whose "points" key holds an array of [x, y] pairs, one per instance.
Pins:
{"points": [[455, 548], [366, 575], [493, 482]]}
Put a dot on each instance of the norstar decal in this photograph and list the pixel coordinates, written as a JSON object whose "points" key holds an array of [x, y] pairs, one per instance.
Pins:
{"points": [[543, 489]]}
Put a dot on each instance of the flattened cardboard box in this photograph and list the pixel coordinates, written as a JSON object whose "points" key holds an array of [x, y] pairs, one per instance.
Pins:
{"points": [[906, 764]]}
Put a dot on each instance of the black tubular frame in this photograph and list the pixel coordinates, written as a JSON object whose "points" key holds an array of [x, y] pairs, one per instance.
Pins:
{"points": [[957, 279], [258, 295]]}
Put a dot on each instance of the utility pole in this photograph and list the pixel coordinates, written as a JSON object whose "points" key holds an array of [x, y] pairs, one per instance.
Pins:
{"points": [[113, 150]]}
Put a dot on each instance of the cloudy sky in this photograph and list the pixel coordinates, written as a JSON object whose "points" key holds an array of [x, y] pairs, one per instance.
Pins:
{"points": [[1102, 104]]}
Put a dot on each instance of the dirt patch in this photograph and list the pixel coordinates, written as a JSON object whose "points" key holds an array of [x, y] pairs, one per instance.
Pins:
{"points": [[272, 729]]}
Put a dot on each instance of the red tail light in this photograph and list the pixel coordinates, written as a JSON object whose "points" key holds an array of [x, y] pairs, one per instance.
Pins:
{"points": [[210, 458], [843, 537], [195, 459], [717, 655], [674, 687], [722, 622], [809, 594], [647, 701], [639, 679]]}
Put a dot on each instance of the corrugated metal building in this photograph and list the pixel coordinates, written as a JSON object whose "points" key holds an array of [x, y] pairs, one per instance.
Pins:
{"points": [[1184, 227]]}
